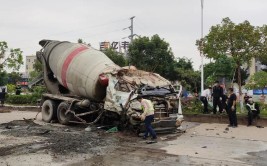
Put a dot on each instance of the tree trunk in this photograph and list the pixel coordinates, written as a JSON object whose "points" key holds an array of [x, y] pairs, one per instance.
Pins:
{"points": [[239, 87]]}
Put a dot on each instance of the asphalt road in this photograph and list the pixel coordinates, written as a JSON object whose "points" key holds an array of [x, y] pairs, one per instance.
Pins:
{"points": [[38, 143]]}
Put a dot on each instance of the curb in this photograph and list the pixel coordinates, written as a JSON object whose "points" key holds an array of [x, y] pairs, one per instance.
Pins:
{"points": [[223, 119], [201, 118], [21, 108]]}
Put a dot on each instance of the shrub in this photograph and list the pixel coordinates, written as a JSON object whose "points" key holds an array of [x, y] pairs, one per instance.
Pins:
{"points": [[11, 88], [26, 98], [20, 99], [192, 105]]}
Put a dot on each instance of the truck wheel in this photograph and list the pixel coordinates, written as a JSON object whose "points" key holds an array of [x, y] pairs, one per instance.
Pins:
{"points": [[61, 110], [49, 110]]}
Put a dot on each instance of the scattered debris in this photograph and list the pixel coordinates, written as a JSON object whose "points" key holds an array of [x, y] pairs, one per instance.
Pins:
{"points": [[67, 130], [8, 127], [196, 152], [204, 147], [225, 132], [259, 126], [209, 129], [28, 120], [88, 128], [112, 130], [227, 129], [217, 134], [151, 142], [45, 132]]}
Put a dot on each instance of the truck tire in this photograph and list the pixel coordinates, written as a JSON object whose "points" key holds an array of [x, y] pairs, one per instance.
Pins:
{"points": [[49, 110], [61, 110]]}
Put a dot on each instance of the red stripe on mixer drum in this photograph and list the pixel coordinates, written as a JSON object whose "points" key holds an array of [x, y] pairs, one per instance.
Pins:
{"points": [[67, 62]]}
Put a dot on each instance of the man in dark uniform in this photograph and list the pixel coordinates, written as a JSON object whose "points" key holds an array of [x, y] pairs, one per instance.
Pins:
{"points": [[246, 98], [253, 111], [231, 108], [217, 94]]}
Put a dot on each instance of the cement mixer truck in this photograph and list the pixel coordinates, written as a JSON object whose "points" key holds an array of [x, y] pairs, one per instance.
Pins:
{"points": [[85, 86]]}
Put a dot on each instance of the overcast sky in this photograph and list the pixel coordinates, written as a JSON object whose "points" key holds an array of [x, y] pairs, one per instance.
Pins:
{"points": [[23, 23]]}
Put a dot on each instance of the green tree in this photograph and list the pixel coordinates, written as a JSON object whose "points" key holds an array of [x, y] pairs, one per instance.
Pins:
{"points": [[183, 63], [116, 57], [3, 78], [14, 77], [9, 58], [223, 67], [37, 70], [152, 54], [258, 81], [239, 41], [83, 42], [37, 66], [80, 40], [184, 72], [263, 51]]}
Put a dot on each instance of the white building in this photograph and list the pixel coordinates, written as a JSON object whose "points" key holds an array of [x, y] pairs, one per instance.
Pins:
{"points": [[30, 61]]}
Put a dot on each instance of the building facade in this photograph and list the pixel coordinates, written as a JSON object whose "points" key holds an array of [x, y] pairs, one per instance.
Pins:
{"points": [[30, 61]]}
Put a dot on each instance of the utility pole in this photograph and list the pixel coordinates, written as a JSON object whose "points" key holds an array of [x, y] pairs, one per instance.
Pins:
{"points": [[201, 55], [131, 36], [131, 28]]}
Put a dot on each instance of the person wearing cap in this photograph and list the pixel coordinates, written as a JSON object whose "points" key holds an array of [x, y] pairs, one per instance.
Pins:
{"points": [[148, 116], [217, 94], [231, 108], [253, 111], [205, 96]]}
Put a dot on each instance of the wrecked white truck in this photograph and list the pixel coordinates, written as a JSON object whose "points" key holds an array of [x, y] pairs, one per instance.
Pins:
{"points": [[85, 86]]}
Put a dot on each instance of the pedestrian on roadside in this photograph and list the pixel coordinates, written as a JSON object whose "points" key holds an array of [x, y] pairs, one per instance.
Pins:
{"points": [[231, 108], [205, 97], [246, 98], [253, 111], [217, 94], [148, 116]]}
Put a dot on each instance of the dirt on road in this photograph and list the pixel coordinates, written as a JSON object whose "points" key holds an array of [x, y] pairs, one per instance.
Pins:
{"points": [[32, 142], [28, 142]]}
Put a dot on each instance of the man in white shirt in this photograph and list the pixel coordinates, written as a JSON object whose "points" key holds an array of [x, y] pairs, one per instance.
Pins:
{"points": [[147, 116], [205, 96]]}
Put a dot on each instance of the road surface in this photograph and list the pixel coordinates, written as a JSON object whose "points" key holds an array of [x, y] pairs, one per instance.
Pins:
{"points": [[23, 142]]}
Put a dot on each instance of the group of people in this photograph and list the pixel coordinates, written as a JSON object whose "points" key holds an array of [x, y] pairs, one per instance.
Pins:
{"points": [[220, 99], [228, 103]]}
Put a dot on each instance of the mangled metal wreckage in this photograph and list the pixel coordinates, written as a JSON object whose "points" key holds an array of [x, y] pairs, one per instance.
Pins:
{"points": [[85, 86]]}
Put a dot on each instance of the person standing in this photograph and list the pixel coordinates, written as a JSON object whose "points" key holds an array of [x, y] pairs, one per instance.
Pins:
{"points": [[205, 96], [148, 116], [253, 111], [231, 108], [217, 94]]}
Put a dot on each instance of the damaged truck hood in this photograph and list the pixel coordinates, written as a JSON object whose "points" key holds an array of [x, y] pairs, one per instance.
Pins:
{"points": [[126, 83]]}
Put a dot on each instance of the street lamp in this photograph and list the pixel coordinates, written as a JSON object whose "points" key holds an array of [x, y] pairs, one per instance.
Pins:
{"points": [[201, 55]]}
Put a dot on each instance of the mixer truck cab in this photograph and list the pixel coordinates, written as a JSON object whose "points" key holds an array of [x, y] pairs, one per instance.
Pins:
{"points": [[85, 86]]}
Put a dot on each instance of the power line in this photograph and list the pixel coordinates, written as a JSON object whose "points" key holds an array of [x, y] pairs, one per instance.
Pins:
{"points": [[131, 28]]}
